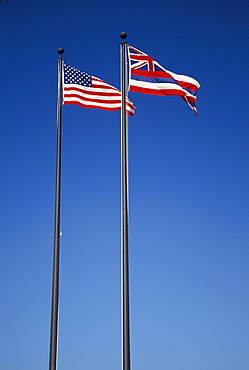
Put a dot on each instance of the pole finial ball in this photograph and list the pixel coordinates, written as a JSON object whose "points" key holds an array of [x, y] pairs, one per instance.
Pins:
{"points": [[60, 51], [123, 35]]}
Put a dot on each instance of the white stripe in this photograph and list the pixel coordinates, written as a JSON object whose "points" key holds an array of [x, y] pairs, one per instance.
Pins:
{"points": [[92, 97], [182, 78], [87, 88], [97, 104], [111, 105], [159, 86], [130, 109], [95, 80]]}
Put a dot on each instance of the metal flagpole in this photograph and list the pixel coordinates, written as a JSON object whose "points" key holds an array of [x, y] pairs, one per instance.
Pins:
{"points": [[55, 284], [124, 245]]}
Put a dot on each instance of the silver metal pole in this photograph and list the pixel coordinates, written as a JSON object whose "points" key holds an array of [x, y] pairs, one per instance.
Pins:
{"points": [[125, 257], [56, 257]]}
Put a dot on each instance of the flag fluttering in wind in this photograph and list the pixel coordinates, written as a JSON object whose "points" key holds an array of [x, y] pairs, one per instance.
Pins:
{"points": [[147, 76], [90, 92]]}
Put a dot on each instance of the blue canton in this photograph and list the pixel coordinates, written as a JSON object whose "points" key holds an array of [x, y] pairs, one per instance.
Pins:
{"points": [[75, 76]]}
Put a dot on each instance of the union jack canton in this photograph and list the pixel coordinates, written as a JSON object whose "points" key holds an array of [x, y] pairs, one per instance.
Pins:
{"points": [[147, 76]]}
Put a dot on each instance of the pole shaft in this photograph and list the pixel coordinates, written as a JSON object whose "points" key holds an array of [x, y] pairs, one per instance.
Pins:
{"points": [[56, 256], [124, 252]]}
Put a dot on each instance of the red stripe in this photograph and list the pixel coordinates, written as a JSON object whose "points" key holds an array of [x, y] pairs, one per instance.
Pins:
{"points": [[155, 74], [162, 92], [157, 92], [130, 105], [191, 99], [90, 106], [141, 57], [188, 85], [140, 72], [94, 106], [69, 93], [95, 84], [104, 93], [104, 101]]}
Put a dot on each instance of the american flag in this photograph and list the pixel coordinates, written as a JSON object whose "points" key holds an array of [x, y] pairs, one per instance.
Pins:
{"points": [[90, 92], [148, 77]]}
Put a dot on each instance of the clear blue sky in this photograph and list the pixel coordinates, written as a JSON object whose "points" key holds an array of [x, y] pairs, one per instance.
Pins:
{"points": [[189, 181]]}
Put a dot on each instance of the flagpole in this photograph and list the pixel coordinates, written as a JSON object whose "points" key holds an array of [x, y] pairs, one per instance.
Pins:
{"points": [[124, 243], [56, 256]]}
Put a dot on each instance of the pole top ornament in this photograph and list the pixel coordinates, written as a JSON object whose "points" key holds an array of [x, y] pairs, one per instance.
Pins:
{"points": [[123, 35]]}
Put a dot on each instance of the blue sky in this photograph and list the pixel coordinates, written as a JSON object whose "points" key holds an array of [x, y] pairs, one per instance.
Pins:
{"points": [[188, 177]]}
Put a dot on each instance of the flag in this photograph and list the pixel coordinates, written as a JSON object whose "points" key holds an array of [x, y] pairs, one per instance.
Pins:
{"points": [[147, 76], [90, 92]]}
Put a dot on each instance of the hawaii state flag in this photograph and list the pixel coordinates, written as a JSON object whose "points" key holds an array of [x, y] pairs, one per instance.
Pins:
{"points": [[147, 76]]}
